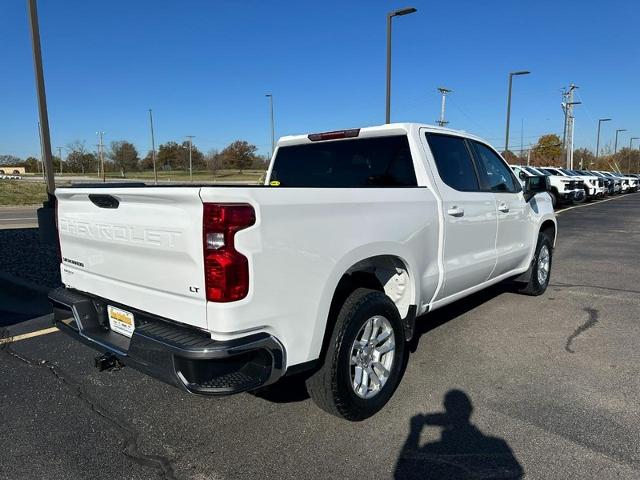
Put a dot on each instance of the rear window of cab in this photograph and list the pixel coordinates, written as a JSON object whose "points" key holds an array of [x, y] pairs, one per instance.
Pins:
{"points": [[359, 162]]}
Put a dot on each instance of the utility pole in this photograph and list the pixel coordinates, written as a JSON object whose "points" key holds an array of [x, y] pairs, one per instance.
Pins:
{"points": [[567, 107], [44, 177], [273, 131], [153, 149], [60, 157], [443, 91], [101, 154], [45, 139], [190, 137]]}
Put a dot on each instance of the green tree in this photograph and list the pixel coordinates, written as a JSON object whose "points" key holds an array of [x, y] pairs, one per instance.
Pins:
{"points": [[124, 156], [239, 154], [32, 165], [548, 150], [79, 160], [170, 156], [583, 158], [510, 157]]}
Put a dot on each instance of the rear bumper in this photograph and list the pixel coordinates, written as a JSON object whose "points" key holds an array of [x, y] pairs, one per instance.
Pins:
{"points": [[179, 355]]}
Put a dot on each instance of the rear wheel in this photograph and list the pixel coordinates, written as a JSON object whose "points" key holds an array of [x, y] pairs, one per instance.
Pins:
{"points": [[540, 267], [364, 360]]}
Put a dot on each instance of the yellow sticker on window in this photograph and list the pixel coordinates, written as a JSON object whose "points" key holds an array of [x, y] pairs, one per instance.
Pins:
{"points": [[274, 183]]}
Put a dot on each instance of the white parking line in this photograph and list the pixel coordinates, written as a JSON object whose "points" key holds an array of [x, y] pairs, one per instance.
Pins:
{"points": [[588, 204]]}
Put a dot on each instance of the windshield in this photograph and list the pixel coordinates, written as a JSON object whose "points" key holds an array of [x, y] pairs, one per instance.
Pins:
{"points": [[568, 172], [549, 171], [535, 171]]}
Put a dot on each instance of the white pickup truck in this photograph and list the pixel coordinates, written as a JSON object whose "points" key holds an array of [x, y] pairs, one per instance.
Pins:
{"points": [[323, 269]]}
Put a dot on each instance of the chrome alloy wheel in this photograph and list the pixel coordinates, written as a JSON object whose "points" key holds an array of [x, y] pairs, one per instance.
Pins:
{"points": [[372, 356], [544, 263]]}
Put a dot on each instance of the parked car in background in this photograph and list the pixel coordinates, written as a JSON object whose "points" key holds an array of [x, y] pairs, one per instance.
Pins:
{"points": [[622, 184], [323, 269], [608, 183], [630, 180], [563, 190], [590, 179], [589, 183]]}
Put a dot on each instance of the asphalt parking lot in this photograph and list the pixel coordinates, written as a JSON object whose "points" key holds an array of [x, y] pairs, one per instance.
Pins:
{"points": [[553, 383]]}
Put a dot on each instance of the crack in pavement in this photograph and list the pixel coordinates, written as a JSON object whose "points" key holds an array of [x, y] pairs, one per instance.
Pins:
{"points": [[591, 321], [131, 437], [562, 285]]}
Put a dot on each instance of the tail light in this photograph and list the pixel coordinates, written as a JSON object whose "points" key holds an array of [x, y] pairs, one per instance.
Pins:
{"points": [[226, 271]]}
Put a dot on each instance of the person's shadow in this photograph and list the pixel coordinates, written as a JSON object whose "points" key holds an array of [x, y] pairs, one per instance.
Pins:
{"points": [[463, 451]]}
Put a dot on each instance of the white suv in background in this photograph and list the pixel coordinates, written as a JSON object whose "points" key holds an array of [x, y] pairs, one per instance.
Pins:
{"points": [[562, 190], [589, 182]]}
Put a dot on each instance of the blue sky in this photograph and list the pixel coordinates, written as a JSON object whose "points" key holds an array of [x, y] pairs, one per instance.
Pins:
{"points": [[205, 66]]}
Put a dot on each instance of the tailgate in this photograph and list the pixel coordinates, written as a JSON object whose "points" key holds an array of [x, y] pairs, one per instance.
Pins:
{"points": [[137, 247]]}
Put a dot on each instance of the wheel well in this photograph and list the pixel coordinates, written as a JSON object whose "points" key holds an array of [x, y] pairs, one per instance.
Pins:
{"points": [[385, 273], [549, 229]]}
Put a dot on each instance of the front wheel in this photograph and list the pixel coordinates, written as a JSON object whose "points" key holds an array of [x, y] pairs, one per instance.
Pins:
{"points": [[540, 267], [365, 358]]}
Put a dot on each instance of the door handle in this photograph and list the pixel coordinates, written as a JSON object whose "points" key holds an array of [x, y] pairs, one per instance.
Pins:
{"points": [[503, 207], [455, 212]]}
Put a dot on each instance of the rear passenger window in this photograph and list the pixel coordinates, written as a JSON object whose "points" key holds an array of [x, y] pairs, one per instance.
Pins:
{"points": [[453, 161], [499, 176]]}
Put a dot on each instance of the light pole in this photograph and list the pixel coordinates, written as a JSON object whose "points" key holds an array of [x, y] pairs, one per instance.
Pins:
{"points": [[598, 136], [273, 131], [630, 142], [190, 137], [511, 75], [390, 15], [153, 148], [615, 145]]}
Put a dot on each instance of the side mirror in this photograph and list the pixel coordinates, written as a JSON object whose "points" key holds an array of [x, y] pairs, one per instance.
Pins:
{"points": [[533, 185], [523, 176]]}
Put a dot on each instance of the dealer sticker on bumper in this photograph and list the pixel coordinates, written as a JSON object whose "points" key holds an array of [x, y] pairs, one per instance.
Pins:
{"points": [[121, 321]]}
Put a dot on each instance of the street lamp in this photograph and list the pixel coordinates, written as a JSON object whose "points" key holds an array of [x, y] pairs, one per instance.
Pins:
{"points": [[390, 15], [615, 145], [631, 141], [511, 74], [273, 135], [598, 137]]}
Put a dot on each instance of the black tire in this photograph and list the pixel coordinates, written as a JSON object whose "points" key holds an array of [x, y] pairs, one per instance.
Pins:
{"points": [[534, 287], [554, 199], [583, 199], [330, 387]]}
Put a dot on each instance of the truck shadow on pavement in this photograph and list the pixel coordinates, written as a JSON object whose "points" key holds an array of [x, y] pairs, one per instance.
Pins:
{"points": [[463, 451]]}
